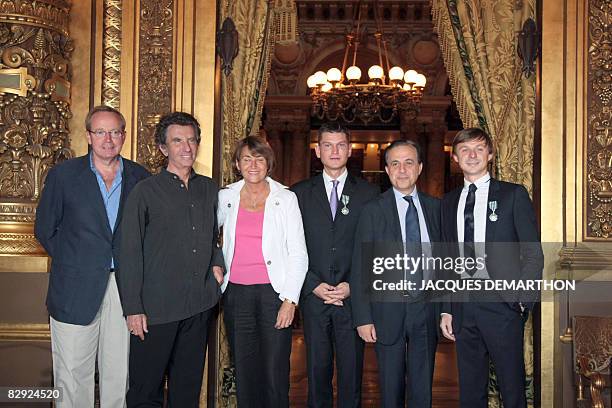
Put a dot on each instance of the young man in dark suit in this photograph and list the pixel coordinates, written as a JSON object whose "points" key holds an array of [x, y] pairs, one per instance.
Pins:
{"points": [[401, 322], [494, 220], [330, 204], [78, 223]]}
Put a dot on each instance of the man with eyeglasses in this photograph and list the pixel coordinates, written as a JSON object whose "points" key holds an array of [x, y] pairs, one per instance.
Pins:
{"points": [[78, 223], [330, 204]]}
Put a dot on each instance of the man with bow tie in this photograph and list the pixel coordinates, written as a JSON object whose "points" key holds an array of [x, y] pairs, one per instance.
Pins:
{"points": [[330, 204], [494, 220]]}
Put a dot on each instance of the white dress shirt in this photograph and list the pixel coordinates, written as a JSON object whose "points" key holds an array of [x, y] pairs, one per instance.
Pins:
{"points": [[480, 219], [402, 207], [329, 185]]}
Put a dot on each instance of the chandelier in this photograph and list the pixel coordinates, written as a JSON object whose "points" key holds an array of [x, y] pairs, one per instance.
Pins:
{"points": [[339, 94]]}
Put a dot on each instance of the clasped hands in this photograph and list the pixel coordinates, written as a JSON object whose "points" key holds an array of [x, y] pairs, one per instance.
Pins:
{"points": [[333, 295]]}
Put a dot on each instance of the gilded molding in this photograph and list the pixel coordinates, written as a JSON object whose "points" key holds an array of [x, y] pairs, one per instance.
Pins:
{"points": [[47, 14], [18, 212], [598, 143], [35, 54], [155, 76], [585, 258], [19, 244], [25, 332], [111, 62]]}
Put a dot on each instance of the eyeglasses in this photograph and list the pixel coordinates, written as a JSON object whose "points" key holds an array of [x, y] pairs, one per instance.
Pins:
{"points": [[114, 133]]}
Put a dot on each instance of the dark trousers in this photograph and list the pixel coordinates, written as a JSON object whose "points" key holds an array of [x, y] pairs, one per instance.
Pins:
{"points": [[260, 352], [409, 360], [490, 330], [329, 333], [176, 348]]}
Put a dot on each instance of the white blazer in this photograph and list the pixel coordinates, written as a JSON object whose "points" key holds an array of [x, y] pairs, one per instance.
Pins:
{"points": [[283, 243]]}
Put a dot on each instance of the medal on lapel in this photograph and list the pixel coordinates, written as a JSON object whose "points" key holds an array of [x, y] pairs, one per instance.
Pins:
{"points": [[493, 207], [345, 201]]}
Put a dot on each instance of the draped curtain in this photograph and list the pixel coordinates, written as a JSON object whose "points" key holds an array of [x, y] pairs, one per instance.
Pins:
{"points": [[478, 39], [244, 89]]}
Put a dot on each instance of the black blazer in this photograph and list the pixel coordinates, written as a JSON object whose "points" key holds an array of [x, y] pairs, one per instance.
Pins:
{"points": [[72, 226], [330, 242], [379, 223], [512, 242]]}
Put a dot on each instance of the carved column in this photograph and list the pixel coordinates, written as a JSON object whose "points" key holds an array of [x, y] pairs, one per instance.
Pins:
{"points": [[273, 135], [35, 74], [408, 125], [288, 123], [300, 150], [598, 138], [436, 156]]}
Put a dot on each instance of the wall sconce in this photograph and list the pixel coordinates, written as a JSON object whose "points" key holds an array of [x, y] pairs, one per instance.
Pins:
{"points": [[227, 45], [529, 46]]}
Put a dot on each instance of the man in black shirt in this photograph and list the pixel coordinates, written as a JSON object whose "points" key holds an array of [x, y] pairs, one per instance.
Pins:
{"points": [[170, 281]]}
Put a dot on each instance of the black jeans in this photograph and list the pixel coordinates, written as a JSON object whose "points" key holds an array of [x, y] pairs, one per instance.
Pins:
{"points": [[260, 352], [176, 348]]}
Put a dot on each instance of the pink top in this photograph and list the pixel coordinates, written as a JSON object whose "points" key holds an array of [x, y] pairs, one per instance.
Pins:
{"points": [[248, 265]]}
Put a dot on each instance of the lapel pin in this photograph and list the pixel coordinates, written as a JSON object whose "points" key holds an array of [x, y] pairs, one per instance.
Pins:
{"points": [[229, 205], [493, 207]]}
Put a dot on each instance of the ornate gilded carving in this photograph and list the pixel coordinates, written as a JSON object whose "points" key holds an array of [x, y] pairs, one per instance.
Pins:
{"points": [[154, 76], [111, 43], [599, 132], [19, 244], [33, 128], [47, 14], [35, 54], [17, 212]]}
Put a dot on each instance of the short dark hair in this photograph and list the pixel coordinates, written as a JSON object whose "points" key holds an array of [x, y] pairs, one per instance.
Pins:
{"points": [[402, 142], [175, 118], [258, 146], [472, 134], [333, 127], [102, 108]]}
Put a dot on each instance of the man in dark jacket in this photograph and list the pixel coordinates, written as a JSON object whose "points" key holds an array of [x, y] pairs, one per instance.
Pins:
{"points": [[493, 220], [391, 308], [170, 280], [78, 223], [330, 204]]}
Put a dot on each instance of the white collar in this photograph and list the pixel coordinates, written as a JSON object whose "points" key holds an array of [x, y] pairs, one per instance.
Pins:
{"points": [[341, 179], [479, 183], [274, 185], [400, 196]]}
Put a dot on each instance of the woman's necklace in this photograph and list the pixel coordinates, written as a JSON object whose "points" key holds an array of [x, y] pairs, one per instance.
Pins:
{"points": [[254, 199]]}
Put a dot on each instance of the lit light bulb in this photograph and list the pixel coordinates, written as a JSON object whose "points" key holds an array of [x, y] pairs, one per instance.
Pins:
{"points": [[375, 72], [406, 87], [396, 74], [420, 80], [320, 77], [353, 73], [326, 87], [410, 76], [312, 81], [334, 75]]}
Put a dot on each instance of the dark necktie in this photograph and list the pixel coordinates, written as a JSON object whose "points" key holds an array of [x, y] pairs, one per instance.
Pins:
{"points": [[468, 228], [333, 199], [413, 243]]}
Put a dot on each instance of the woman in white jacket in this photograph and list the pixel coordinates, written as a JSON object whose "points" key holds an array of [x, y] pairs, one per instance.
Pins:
{"points": [[266, 262]]}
